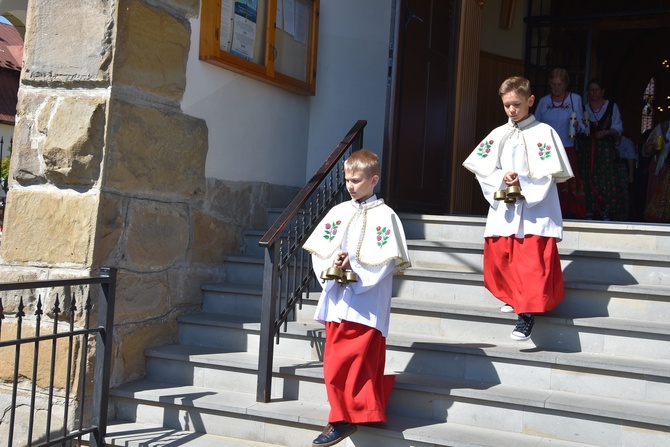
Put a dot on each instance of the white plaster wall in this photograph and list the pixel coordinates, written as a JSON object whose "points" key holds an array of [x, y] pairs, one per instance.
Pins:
{"points": [[257, 132], [352, 68], [503, 42]]}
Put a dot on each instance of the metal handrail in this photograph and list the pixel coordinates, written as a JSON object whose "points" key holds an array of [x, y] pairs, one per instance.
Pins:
{"points": [[287, 271]]}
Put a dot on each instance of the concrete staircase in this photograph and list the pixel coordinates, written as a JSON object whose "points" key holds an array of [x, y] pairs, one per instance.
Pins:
{"points": [[596, 371]]}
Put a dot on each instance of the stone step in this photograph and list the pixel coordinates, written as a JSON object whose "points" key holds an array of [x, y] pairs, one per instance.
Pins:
{"points": [[232, 298], [608, 335], [581, 238], [234, 371], [611, 237], [578, 265], [468, 366], [250, 269], [235, 414], [251, 247], [132, 434], [594, 374], [243, 269], [553, 330], [405, 432], [503, 361], [594, 320], [583, 299]]}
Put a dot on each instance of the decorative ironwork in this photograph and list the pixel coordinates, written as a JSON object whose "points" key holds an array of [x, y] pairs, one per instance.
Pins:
{"points": [[57, 352]]}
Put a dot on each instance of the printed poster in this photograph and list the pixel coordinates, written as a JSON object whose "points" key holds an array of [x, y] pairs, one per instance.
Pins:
{"points": [[244, 28]]}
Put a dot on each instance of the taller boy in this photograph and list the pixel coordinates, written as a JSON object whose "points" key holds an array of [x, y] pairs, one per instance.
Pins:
{"points": [[521, 263], [365, 236]]}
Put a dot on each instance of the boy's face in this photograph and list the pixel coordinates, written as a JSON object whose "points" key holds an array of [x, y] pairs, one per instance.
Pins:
{"points": [[517, 106], [359, 185]]}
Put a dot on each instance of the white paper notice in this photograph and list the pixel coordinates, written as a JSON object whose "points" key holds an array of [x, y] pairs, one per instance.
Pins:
{"points": [[280, 16], [301, 22], [226, 31], [289, 16]]}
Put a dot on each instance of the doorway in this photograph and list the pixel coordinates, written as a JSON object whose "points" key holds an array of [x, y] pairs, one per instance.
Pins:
{"points": [[421, 132], [618, 41]]}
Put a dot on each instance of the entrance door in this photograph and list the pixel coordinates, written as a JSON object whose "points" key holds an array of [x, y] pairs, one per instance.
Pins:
{"points": [[420, 146]]}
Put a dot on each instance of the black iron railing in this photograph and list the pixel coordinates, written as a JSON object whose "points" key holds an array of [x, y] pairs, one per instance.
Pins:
{"points": [[58, 394], [288, 271]]}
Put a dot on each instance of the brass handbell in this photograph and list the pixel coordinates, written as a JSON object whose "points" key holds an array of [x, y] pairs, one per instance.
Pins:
{"points": [[347, 277], [339, 275], [509, 195], [351, 276], [333, 273], [513, 191]]}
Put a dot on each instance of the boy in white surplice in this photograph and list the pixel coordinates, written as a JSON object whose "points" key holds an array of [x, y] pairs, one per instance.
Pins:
{"points": [[518, 165], [364, 238]]}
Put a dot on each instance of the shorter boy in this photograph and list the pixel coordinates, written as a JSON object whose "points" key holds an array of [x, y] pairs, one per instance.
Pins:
{"points": [[365, 236], [521, 263]]}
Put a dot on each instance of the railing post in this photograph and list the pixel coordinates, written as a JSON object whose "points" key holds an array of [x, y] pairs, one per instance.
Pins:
{"points": [[103, 358], [268, 312]]}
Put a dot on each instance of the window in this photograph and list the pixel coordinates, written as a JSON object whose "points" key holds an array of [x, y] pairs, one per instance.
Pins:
{"points": [[273, 41]]}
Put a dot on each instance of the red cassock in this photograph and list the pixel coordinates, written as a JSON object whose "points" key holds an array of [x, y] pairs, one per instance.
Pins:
{"points": [[353, 370], [524, 272]]}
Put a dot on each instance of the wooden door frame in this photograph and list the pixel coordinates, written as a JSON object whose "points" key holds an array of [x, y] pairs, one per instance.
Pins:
{"points": [[388, 155], [465, 55]]}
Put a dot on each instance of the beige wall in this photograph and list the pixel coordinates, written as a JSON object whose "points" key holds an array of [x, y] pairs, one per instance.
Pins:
{"points": [[507, 43]]}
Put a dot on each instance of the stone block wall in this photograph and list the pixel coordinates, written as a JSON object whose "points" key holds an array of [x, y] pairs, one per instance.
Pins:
{"points": [[107, 171]]}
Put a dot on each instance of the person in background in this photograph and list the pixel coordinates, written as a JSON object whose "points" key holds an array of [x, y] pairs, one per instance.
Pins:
{"points": [[658, 146], [355, 250], [598, 155], [563, 111], [626, 168], [518, 165], [638, 192]]}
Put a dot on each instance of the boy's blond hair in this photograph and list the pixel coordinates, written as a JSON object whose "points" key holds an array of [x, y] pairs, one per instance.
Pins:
{"points": [[516, 84], [365, 161]]}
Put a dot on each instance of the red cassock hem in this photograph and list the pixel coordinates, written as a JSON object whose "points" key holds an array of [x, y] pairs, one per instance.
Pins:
{"points": [[524, 272], [353, 370]]}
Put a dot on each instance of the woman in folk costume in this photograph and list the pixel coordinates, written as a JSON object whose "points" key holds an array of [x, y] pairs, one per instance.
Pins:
{"points": [[563, 111], [518, 165], [658, 145], [598, 157], [365, 237]]}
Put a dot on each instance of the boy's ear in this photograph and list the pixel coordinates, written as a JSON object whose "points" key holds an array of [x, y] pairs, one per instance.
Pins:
{"points": [[375, 180], [531, 100]]}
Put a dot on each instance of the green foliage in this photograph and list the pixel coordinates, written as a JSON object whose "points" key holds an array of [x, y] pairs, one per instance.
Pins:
{"points": [[4, 170]]}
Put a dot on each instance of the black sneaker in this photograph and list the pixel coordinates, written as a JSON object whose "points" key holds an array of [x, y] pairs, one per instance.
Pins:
{"points": [[524, 326]]}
